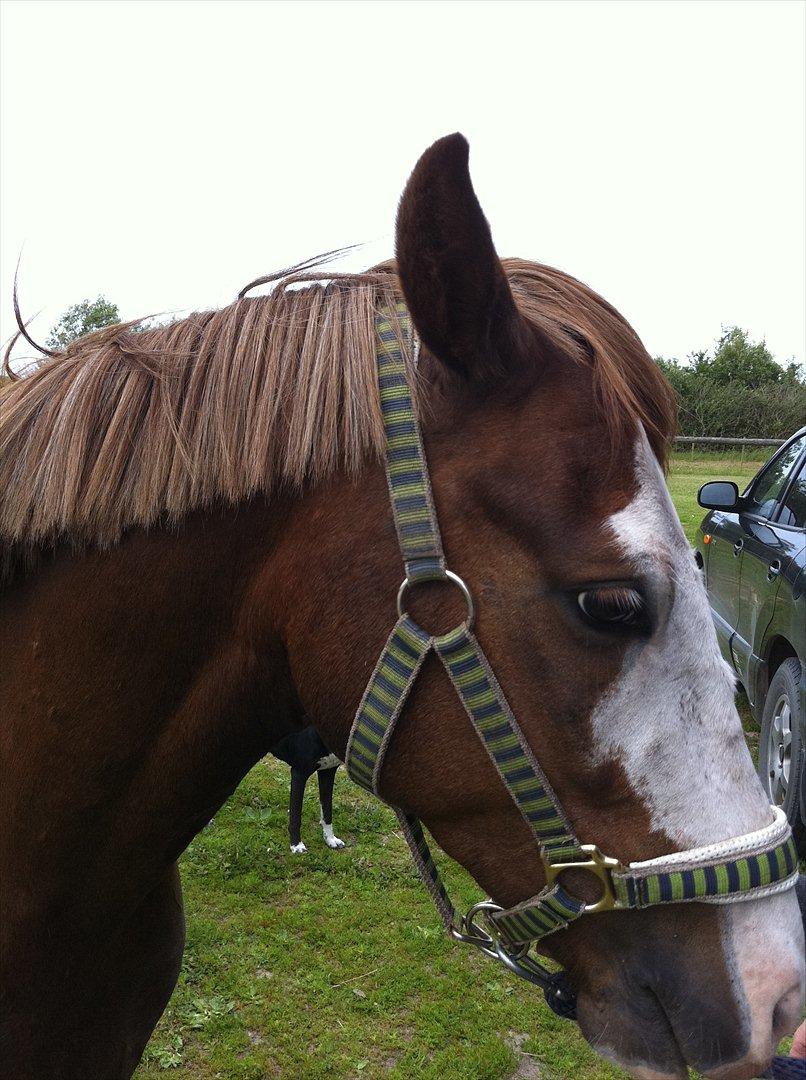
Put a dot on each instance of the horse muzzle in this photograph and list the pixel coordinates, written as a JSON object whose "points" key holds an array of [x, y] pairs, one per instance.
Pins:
{"points": [[721, 1008]]}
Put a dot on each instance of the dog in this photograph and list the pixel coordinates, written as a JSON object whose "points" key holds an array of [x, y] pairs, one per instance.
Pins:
{"points": [[305, 752]]}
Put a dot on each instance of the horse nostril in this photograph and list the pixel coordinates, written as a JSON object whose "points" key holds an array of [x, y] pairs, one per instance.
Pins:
{"points": [[777, 1019], [786, 1013]]}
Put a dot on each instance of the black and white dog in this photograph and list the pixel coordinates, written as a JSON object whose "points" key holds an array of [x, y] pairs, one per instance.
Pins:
{"points": [[305, 752]]}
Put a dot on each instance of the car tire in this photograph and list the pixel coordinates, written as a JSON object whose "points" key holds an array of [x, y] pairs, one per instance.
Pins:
{"points": [[781, 752]]}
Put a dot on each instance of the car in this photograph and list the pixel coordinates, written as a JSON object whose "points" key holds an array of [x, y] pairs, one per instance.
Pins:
{"points": [[752, 551]]}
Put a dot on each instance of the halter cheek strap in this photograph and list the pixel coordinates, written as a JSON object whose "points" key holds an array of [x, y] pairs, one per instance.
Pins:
{"points": [[750, 866]]}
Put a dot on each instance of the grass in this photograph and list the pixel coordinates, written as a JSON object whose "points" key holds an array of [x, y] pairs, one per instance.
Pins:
{"points": [[690, 471], [334, 964]]}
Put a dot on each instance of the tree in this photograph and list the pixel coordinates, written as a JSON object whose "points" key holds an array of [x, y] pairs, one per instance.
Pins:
{"points": [[738, 391], [81, 319], [739, 361]]}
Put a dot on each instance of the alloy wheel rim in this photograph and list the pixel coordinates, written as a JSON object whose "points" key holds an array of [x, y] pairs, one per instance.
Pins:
{"points": [[779, 750]]}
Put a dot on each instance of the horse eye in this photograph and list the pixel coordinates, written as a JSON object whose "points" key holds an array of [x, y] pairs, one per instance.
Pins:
{"points": [[614, 607]]}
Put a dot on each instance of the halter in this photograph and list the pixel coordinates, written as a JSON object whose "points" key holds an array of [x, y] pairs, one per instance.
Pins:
{"points": [[746, 867]]}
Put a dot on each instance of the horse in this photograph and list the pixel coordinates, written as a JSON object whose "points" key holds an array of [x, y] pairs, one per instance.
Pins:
{"points": [[196, 536]]}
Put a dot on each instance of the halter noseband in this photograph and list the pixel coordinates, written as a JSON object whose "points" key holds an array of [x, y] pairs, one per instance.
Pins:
{"points": [[754, 865]]}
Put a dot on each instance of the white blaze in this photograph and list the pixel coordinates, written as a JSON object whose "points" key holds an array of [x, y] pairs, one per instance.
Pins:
{"points": [[671, 721], [670, 718]]}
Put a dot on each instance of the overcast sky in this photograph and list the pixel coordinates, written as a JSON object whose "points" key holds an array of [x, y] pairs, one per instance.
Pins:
{"points": [[164, 154]]}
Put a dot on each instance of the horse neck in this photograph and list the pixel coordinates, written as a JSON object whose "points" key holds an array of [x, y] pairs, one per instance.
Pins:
{"points": [[152, 697]]}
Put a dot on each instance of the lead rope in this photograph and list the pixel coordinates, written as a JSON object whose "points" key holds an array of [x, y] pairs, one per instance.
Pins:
{"points": [[757, 864]]}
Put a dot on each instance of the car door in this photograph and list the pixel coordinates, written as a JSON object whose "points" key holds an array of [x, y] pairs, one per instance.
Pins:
{"points": [[723, 572], [765, 552]]}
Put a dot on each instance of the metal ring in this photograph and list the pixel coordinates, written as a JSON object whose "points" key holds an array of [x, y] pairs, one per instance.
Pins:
{"points": [[469, 932], [524, 966], [482, 942], [407, 583], [487, 909], [513, 956]]}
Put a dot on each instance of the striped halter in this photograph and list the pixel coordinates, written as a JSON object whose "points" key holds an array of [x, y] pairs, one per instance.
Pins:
{"points": [[746, 867]]}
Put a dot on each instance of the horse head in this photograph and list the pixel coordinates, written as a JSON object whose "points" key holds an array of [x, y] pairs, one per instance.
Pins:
{"points": [[545, 425]]}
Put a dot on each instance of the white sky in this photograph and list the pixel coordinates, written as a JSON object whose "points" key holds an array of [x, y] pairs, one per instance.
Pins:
{"points": [[164, 153]]}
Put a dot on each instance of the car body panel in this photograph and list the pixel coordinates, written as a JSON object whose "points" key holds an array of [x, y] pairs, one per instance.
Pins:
{"points": [[722, 574], [755, 573], [763, 551]]}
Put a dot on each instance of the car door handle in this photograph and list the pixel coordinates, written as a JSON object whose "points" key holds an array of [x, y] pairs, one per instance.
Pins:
{"points": [[737, 547], [774, 569]]}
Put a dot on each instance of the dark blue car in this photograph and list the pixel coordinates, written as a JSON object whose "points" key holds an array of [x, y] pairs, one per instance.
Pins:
{"points": [[752, 549]]}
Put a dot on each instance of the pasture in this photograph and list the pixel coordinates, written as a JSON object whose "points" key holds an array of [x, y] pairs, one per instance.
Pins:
{"points": [[333, 964]]}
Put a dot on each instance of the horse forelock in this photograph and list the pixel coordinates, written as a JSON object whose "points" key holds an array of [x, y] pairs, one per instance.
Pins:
{"points": [[128, 426]]}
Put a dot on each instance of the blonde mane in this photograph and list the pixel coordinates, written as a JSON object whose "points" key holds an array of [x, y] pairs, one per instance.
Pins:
{"points": [[127, 427]]}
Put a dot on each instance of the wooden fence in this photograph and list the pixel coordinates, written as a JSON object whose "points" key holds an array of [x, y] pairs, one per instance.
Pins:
{"points": [[713, 442], [710, 439]]}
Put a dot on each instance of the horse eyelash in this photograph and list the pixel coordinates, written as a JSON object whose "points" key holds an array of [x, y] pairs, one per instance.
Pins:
{"points": [[624, 603], [626, 599]]}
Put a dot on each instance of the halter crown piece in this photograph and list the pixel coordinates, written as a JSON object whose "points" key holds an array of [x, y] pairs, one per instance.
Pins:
{"points": [[754, 865]]}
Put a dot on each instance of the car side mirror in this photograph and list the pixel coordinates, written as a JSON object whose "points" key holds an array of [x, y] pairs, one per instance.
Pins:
{"points": [[719, 495]]}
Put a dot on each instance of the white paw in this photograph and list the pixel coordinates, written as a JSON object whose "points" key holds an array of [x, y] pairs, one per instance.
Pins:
{"points": [[298, 849], [331, 840]]}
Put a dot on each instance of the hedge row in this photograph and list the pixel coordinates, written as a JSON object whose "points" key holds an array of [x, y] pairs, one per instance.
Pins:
{"points": [[734, 411]]}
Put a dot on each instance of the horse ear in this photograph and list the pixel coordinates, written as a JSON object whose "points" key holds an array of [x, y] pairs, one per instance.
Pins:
{"points": [[453, 281]]}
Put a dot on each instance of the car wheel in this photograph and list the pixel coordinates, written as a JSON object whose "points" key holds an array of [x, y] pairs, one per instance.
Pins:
{"points": [[781, 751]]}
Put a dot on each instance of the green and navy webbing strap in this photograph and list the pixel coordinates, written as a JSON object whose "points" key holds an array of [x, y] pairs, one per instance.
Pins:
{"points": [[406, 469], [418, 846], [484, 701], [552, 909], [462, 656], [398, 666], [756, 864], [747, 867], [408, 644]]}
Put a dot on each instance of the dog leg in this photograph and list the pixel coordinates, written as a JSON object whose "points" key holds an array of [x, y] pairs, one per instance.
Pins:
{"points": [[326, 779], [298, 782]]}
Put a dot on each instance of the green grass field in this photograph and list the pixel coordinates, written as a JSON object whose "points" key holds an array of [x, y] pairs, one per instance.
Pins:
{"points": [[334, 964], [690, 471]]}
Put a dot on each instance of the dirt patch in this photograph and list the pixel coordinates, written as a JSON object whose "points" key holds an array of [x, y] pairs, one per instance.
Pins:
{"points": [[528, 1065]]}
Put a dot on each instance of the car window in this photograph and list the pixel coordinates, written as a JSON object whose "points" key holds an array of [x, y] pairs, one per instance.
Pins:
{"points": [[762, 498], [793, 510]]}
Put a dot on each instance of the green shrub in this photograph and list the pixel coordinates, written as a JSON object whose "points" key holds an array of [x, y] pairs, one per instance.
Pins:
{"points": [[739, 391]]}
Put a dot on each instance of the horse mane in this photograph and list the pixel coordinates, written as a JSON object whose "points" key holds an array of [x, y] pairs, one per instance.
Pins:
{"points": [[129, 426]]}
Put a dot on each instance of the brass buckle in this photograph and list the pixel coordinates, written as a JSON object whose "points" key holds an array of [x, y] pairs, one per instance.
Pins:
{"points": [[601, 866]]}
